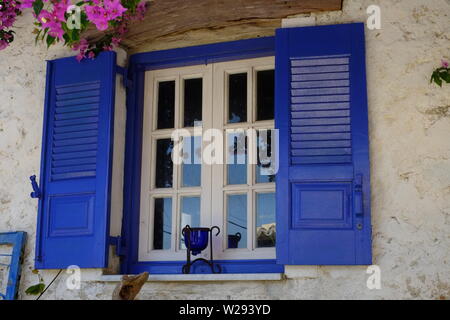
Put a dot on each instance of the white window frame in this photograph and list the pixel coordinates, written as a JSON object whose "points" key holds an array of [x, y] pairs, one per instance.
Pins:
{"points": [[150, 135], [220, 189], [213, 188]]}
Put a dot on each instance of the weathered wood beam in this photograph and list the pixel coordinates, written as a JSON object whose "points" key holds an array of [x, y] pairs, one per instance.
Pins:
{"points": [[168, 18]]}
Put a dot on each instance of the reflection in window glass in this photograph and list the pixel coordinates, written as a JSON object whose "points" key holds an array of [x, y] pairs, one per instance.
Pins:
{"points": [[265, 166], [265, 94], [166, 104], [190, 214], [265, 220], [162, 225], [191, 166], [164, 165], [237, 98], [236, 158], [237, 220], [192, 101]]}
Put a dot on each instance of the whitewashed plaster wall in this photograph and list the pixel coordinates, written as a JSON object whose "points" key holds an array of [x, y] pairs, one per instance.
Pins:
{"points": [[409, 123]]}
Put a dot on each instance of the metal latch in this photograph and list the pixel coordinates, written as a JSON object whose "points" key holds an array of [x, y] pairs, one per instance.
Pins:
{"points": [[358, 193], [36, 190]]}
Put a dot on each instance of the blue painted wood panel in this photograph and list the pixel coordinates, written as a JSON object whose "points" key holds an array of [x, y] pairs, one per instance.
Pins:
{"points": [[76, 165], [323, 185], [17, 240]]}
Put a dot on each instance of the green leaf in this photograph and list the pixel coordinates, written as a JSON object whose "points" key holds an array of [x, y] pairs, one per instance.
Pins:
{"points": [[445, 76], [36, 289], [44, 34], [438, 80], [38, 5], [37, 37], [67, 39], [50, 40], [75, 35]]}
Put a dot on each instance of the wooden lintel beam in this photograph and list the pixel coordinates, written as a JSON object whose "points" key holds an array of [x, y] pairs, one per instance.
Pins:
{"points": [[171, 17]]}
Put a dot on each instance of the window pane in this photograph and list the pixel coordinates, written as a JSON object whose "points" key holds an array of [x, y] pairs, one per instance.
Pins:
{"points": [[192, 101], [164, 165], [265, 94], [162, 225], [265, 220], [236, 158], [190, 214], [237, 220], [237, 98], [166, 104], [265, 165], [191, 166]]}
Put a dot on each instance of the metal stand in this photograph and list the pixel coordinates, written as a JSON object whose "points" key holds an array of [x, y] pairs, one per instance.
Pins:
{"points": [[187, 234]]}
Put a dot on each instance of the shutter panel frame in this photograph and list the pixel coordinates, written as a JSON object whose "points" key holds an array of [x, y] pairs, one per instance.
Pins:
{"points": [[76, 163], [323, 177]]}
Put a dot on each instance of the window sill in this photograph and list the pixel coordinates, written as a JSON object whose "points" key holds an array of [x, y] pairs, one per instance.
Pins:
{"points": [[202, 277]]}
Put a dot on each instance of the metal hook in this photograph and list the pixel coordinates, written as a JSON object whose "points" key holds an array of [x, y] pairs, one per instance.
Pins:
{"points": [[218, 230]]}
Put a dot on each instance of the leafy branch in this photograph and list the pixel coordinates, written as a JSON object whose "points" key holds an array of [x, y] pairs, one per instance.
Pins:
{"points": [[441, 74]]}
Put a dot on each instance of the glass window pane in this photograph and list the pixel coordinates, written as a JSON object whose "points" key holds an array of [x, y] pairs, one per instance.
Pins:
{"points": [[166, 104], [265, 220], [237, 98], [237, 220], [265, 166], [265, 94], [236, 158], [191, 166], [190, 214], [162, 225], [192, 102], [164, 165]]}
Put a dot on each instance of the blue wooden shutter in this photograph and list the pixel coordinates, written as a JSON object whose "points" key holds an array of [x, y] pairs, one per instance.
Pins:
{"points": [[73, 222], [323, 184]]}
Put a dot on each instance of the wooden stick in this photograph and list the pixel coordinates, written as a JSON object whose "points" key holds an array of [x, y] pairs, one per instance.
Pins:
{"points": [[129, 287]]}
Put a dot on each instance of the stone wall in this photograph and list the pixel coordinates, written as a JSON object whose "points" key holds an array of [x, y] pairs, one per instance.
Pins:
{"points": [[409, 123]]}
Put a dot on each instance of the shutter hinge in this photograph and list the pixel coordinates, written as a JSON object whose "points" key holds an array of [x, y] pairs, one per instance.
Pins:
{"points": [[127, 83], [119, 243]]}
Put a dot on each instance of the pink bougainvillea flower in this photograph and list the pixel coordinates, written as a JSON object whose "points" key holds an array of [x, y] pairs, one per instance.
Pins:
{"points": [[8, 14], [122, 29], [115, 41], [80, 56], [91, 55], [26, 4], [3, 44], [45, 17], [114, 9], [98, 16], [141, 9], [50, 20], [445, 64], [59, 9], [57, 31], [82, 45], [9, 10]]}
